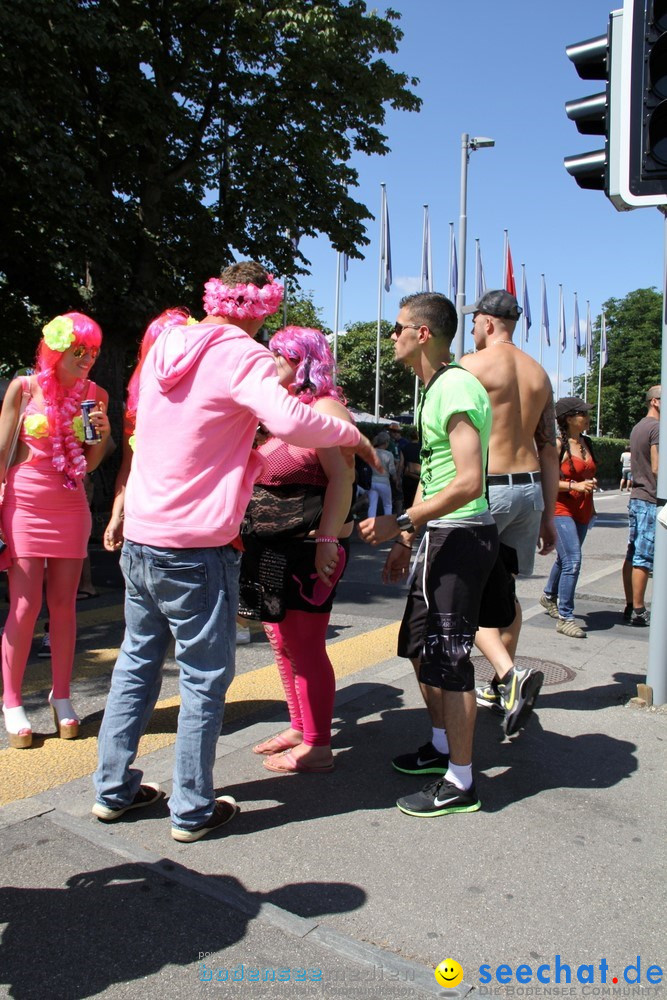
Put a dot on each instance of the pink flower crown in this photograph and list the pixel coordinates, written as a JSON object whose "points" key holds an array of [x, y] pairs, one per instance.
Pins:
{"points": [[242, 301]]}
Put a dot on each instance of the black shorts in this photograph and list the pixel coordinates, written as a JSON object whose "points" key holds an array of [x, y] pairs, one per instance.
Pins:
{"points": [[442, 611], [498, 605]]}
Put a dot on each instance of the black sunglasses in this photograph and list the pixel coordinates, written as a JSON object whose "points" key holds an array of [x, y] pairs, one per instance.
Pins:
{"points": [[400, 327]]}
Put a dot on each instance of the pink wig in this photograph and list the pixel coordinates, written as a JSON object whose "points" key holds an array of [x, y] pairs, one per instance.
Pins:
{"points": [[315, 370], [170, 317], [63, 403], [86, 332]]}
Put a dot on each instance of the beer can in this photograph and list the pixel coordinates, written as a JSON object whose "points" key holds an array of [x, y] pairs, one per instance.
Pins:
{"points": [[91, 434]]}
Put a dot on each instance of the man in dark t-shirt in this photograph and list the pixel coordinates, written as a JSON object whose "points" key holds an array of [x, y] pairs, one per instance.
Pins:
{"points": [[644, 440]]}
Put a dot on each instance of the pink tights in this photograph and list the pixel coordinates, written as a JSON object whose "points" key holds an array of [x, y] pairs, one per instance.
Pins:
{"points": [[299, 644], [26, 578]]}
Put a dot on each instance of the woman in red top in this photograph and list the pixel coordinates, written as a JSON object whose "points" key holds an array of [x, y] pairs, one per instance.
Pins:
{"points": [[574, 511]]}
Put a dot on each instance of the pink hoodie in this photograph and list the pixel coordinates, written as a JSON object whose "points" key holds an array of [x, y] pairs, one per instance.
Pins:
{"points": [[203, 390]]}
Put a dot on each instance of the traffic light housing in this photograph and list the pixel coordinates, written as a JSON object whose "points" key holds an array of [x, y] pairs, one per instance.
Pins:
{"points": [[592, 61], [642, 128]]}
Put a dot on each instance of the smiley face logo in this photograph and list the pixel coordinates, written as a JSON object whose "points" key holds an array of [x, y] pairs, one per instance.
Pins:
{"points": [[449, 973]]}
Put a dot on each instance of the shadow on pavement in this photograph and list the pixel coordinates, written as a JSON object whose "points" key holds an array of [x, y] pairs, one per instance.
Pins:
{"points": [[536, 760], [124, 923]]}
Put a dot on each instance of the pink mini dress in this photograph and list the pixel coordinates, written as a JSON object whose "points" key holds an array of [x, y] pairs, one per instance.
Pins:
{"points": [[40, 517]]}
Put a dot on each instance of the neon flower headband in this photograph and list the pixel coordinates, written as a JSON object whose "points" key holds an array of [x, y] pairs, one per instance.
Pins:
{"points": [[242, 301], [59, 333]]}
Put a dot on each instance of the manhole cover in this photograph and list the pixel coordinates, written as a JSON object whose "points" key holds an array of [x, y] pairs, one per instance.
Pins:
{"points": [[554, 673]]}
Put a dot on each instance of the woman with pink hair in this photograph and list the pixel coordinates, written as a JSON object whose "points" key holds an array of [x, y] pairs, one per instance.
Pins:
{"points": [[113, 533], [45, 515], [298, 522]]}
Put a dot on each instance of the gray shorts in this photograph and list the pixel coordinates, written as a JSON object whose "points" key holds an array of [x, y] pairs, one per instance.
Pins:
{"points": [[517, 510]]}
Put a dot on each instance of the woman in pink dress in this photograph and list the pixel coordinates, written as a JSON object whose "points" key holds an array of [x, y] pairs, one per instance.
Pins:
{"points": [[45, 515]]}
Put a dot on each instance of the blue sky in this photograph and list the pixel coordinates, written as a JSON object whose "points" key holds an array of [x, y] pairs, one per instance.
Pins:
{"points": [[499, 70]]}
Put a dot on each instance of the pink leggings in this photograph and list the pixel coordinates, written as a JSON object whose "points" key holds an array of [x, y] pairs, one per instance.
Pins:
{"points": [[26, 578], [299, 645]]}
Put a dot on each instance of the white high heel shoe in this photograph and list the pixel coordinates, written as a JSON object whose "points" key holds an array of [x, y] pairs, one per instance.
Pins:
{"points": [[19, 730], [65, 718]]}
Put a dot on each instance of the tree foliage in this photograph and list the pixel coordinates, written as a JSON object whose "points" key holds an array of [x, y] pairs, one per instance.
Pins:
{"points": [[146, 143], [634, 333], [356, 366], [298, 309]]}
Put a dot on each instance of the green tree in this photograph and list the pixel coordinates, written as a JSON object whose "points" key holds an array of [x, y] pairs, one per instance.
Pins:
{"points": [[356, 366], [145, 144], [301, 311], [634, 332]]}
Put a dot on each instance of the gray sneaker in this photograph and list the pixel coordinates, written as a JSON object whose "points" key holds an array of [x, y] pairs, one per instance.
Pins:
{"points": [[642, 619], [519, 694]]}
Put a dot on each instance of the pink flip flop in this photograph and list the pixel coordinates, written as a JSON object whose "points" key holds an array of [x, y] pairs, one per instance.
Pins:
{"points": [[287, 763], [276, 744]]}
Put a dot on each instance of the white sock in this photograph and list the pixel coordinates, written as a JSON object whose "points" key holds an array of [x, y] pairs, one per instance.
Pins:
{"points": [[440, 741], [459, 775]]}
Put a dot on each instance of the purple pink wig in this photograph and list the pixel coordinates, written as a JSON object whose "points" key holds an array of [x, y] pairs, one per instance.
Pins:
{"points": [[314, 375]]}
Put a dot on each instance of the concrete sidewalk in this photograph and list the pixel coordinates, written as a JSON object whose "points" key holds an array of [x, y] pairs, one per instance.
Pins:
{"points": [[323, 883]]}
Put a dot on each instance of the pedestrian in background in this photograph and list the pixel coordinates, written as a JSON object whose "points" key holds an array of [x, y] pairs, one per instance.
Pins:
{"points": [[574, 511], [638, 565], [381, 482], [626, 470]]}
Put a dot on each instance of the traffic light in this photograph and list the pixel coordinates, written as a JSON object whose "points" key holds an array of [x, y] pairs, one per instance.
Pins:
{"points": [[642, 178], [592, 60]]}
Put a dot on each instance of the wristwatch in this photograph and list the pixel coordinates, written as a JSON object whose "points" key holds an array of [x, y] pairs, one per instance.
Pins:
{"points": [[405, 524]]}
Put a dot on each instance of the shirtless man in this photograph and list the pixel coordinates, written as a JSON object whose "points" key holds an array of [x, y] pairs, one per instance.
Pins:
{"points": [[522, 471]]}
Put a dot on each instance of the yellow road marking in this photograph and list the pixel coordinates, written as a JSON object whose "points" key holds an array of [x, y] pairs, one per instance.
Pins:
{"points": [[52, 762]]}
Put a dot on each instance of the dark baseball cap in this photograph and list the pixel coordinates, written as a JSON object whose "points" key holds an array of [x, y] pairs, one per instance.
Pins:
{"points": [[497, 303], [572, 404]]}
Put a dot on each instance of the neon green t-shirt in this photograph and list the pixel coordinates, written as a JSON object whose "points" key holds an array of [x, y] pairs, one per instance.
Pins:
{"points": [[457, 391]]}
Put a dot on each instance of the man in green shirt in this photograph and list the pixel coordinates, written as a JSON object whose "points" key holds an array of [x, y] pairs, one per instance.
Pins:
{"points": [[458, 550]]}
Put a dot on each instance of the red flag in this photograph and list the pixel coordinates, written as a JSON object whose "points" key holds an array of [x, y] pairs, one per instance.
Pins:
{"points": [[510, 284]]}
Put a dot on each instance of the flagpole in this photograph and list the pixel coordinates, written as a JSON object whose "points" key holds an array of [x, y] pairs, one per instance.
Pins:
{"points": [[574, 341], [380, 277], [336, 309], [588, 347], [507, 239], [478, 261], [603, 335], [426, 279], [523, 299], [560, 339], [542, 328], [452, 291]]}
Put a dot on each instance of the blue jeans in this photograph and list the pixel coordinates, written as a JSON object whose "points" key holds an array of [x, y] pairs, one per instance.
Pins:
{"points": [[191, 594], [562, 581]]}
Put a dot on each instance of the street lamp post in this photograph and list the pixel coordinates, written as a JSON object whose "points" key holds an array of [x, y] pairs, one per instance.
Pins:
{"points": [[467, 144]]}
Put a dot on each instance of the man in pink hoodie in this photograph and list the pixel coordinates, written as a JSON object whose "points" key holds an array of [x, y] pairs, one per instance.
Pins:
{"points": [[204, 388]]}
